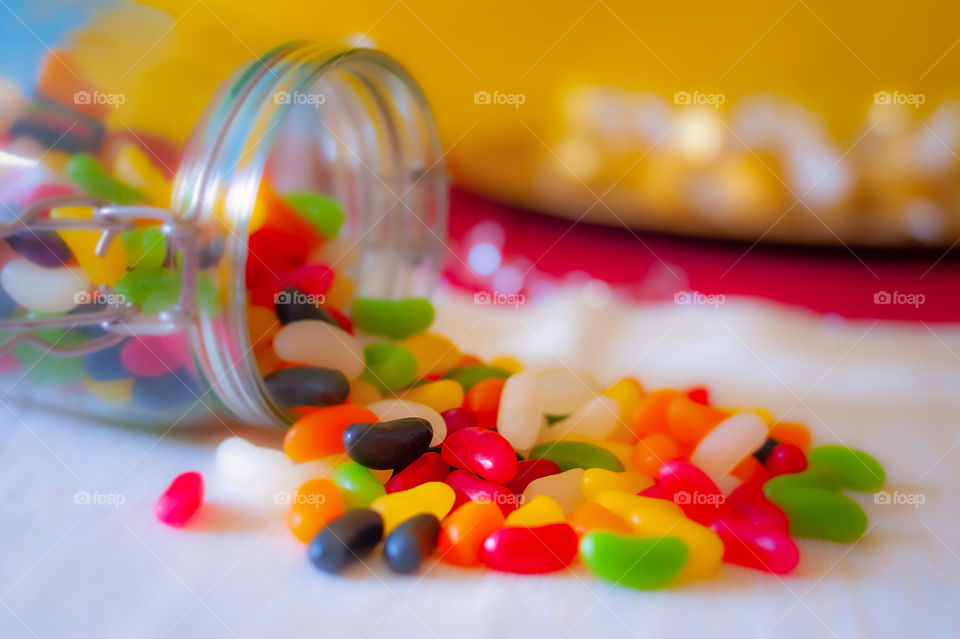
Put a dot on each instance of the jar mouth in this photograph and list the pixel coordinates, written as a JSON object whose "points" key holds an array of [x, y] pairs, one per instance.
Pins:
{"points": [[350, 125]]}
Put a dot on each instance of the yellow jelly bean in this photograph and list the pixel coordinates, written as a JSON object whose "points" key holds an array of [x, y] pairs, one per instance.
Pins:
{"points": [[619, 450], [132, 166], [363, 393], [117, 392], [440, 395], [635, 509], [508, 364], [435, 354], [599, 480], [539, 511], [627, 393], [433, 497], [340, 293], [101, 270], [56, 161]]}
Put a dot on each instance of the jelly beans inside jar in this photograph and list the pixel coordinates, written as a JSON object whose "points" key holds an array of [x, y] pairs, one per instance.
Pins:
{"points": [[155, 285]]}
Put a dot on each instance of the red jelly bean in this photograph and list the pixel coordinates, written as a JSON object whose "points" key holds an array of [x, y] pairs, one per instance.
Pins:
{"points": [[746, 544], [481, 451], [458, 419], [468, 486], [692, 490], [427, 467], [699, 394], [750, 504], [785, 458], [272, 253], [531, 550], [184, 496], [656, 491], [528, 470], [342, 319]]}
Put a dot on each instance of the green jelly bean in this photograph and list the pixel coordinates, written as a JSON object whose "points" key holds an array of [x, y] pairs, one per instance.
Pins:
{"points": [[43, 368], [853, 468], [146, 247], [569, 455], [358, 485], [389, 366], [810, 478], [638, 562], [468, 376], [84, 169], [319, 211], [396, 319], [208, 293], [153, 289], [821, 513]]}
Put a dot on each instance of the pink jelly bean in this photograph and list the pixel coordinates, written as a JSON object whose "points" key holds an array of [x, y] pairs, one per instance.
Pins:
{"points": [[692, 490], [146, 357], [458, 419], [181, 500], [8, 363], [481, 451], [468, 486], [746, 544], [750, 504], [784, 459], [427, 467], [528, 470], [656, 491]]}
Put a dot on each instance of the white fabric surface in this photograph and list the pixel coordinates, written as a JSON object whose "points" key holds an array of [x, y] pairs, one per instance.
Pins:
{"points": [[111, 570]]}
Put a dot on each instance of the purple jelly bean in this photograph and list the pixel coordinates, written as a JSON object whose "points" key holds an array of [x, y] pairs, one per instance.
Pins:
{"points": [[43, 248]]}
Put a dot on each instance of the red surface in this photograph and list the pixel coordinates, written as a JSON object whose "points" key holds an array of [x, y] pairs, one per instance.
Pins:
{"points": [[651, 266]]}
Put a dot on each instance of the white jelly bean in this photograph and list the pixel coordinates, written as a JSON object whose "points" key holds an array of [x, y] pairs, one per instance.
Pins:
{"points": [[47, 290], [390, 409], [318, 343], [565, 391], [263, 476], [729, 443], [563, 488], [595, 419], [520, 415]]}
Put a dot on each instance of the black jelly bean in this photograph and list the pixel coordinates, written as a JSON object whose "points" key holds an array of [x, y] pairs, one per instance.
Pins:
{"points": [[388, 445], [292, 305], [7, 304], [411, 542], [764, 451], [105, 365], [162, 392], [347, 538], [43, 248], [308, 386], [46, 123]]}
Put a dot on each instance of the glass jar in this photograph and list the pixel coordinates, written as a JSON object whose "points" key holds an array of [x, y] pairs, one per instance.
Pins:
{"points": [[174, 343]]}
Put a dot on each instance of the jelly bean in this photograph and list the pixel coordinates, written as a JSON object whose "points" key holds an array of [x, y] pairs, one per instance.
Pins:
{"points": [[655, 492], [395, 319], [320, 344], [432, 497], [132, 165], [468, 486], [481, 451], [348, 538], [319, 211], [435, 354], [746, 544], [118, 392], [570, 454], [596, 419], [357, 485], [563, 488], [791, 433], [539, 511], [83, 244], [508, 364], [388, 366], [821, 513], [105, 364], [47, 290], [320, 433], [442, 395], [314, 280], [748, 468], [263, 476], [810, 478], [411, 542], [650, 415], [597, 480], [292, 305], [785, 458], [765, 449], [84, 169], [590, 516], [483, 400], [463, 532], [144, 356], [728, 443], [45, 370], [315, 504], [339, 294], [43, 248], [390, 409], [699, 394], [458, 419], [276, 212], [153, 289], [271, 252], [853, 468], [468, 376], [520, 416], [627, 392], [165, 391], [645, 563], [563, 391], [688, 422], [181, 499], [618, 449], [308, 386], [387, 445], [652, 451], [363, 393], [531, 550], [749, 502], [427, 467], [692, 490], [635, 509], [528, 470]]}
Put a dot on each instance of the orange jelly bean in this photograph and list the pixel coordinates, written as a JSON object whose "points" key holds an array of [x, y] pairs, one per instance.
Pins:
{"points": [[747, 468], [320, 433], [650, 452], [688, 422], [464, 530], [483, 400], [791, 433], [650, 415], [592, 516], [314, 505]]}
